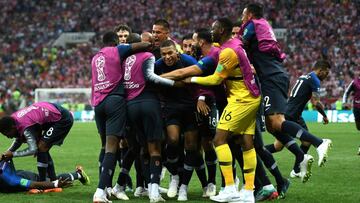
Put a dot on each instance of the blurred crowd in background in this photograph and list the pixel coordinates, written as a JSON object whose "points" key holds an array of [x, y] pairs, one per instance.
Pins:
{"points": [[315, 29]]}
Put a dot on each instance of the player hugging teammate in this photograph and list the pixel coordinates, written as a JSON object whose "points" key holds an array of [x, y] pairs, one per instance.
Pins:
{"points": [[159, 107]]}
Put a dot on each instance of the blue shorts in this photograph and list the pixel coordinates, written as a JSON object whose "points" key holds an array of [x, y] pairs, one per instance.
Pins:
{"points": [[110, 116], [54, 133], [274, 92]]}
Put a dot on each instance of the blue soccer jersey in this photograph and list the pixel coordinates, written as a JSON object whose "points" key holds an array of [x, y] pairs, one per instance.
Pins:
{"points": [[301, 93]]}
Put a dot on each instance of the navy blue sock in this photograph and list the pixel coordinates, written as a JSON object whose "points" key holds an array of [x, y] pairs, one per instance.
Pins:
{"points": [[51, 169], [295, 130], [211, 160], [304, 148], [145, 160], [122, 179], [120, 157], [261, 179], [291, 145], [172, 158], [139, 173], [101, 158], [189, 166], [270, 164], [70, 176], [155, 169], [108, 166], [200, 169], [42, 165]]}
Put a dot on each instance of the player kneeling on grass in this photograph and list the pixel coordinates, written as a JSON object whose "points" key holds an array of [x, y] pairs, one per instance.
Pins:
{"points": [[41, 126], [12, 180]]}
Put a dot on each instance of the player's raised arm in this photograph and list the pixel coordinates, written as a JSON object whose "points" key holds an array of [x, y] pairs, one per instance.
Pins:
{"points": [[140, 47], [226, 60], [149, 74], [183, 73]]}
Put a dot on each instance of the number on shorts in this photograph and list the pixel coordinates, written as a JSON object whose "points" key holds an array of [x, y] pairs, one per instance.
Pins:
{"points": [[214, 119], [226, 116], [267, 100], [49, 132]]}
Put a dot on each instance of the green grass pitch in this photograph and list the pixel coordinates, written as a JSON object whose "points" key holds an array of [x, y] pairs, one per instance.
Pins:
{"points": [[338, 181]]}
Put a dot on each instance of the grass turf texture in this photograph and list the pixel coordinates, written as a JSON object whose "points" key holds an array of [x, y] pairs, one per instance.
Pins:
{"points": [[338, 181]]}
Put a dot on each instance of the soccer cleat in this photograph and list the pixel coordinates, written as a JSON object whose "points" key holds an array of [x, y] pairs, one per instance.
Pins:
{"points": [[358, 153], [119, 192], [100, 197], [293, 174], [210, 190], [141, 192], [182, 193], [157, 199], [267, 194], [85, 179], [322, 151], [173, 186], [282, 189], [108, 191], [305, 168], [57, 189], [101, 200], [246, 196], [229, 194], [35, 191]]}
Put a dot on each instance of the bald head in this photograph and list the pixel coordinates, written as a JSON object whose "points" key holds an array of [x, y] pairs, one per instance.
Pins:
{"points": [[146, 37]]}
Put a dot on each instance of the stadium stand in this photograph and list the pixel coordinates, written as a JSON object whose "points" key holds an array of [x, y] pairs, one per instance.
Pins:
{"points": [[29, 27]]}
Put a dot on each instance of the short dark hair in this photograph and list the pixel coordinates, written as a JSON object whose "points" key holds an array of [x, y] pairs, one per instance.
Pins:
{"points": [[123, 27], [6, 123], [256, 9], [226, 24], [237, 23], [322, 65], [163, 23], [167, 43], [187, 37], [205, 34], [110, 39], [133, 38]]}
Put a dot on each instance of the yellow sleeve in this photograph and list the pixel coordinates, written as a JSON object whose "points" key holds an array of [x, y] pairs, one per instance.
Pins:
{"points": [[228, 61], [213, 79]]}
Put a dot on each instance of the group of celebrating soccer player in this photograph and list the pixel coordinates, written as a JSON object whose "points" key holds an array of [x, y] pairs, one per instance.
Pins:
{"points": [[185, 109]]}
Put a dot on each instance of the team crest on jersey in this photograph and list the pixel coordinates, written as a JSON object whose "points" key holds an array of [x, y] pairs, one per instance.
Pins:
{"points": [[130, 61], [100, 64]]}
